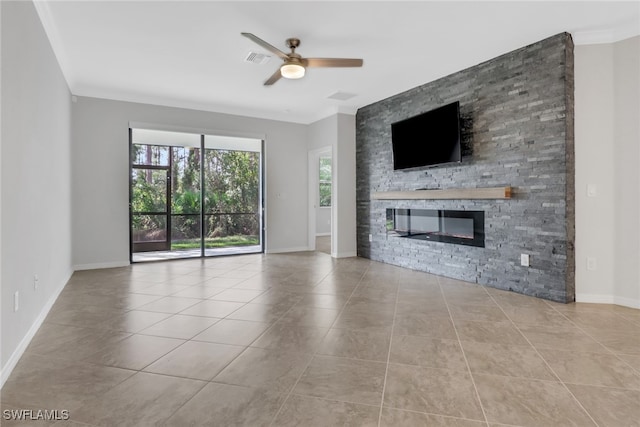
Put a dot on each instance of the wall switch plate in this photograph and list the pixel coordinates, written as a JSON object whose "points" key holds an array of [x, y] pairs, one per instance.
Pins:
{"points": [[16, 305], [592, 190], [371, 237], [592, 265], [35, 282], [524, 260]]}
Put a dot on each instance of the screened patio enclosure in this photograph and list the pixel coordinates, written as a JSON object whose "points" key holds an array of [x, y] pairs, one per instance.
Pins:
{"points": [[194, 195]]}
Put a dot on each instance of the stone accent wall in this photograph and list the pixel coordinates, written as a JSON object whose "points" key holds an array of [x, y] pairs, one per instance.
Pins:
{"points": [[517, 129]]}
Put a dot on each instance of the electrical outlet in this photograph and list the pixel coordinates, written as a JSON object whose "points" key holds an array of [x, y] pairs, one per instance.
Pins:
{"points": [[592, 190], [524, 260], [16, 305], [592, 265], [371, 237], [35, 282]]}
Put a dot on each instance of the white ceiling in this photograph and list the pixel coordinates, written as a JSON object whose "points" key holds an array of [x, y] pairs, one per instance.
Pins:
{"points": [[191, 54]]}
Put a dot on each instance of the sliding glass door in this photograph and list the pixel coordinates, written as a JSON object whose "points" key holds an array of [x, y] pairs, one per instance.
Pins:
{"points": [[194, 195]]}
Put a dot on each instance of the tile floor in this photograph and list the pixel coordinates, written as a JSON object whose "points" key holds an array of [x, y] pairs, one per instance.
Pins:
{"points": [[306, 340]]}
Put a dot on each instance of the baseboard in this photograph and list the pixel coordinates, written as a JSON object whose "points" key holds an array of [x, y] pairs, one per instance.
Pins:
{"points": [[285, 250], [349, 254], [607, 299], [99, 265], [26, 340], [323, 234]]}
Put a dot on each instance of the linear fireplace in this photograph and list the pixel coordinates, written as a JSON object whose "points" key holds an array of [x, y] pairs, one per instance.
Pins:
{"points": [[448, 226]]}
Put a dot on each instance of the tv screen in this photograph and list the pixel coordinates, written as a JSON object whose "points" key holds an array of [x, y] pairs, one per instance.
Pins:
{"points": [[428, 139]]}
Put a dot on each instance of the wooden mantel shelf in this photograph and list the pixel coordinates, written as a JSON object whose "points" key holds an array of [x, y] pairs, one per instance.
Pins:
{"points": [[449, 193]]}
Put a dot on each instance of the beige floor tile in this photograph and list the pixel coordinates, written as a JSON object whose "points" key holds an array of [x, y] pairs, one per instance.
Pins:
{"points": [[330, 301], [257, 367], [506, 360], [161, 289], [309, 411], [424, 324], [436, 391], [179, 326], [427, 352], [311, 316], [210, 308], [538, 315], [364, 319], [347, 380], [489, 332], [277, 297], [332, 288], [222, 282], [170, 304], [58, 384], [399, 418], [237, 295], [618, 342], [478, 297], [134, 352], [200, 292], [234, 406], [72, 343], [230, 331], [369, 294], [527, 402], [195, 359], [84, 316], [561, 338], [632, 360], [604, 320], [592, 369], [609, 406], [266, 313], [287, 336], [356, 344], [295, 299], [134, 321], [142, 400]]}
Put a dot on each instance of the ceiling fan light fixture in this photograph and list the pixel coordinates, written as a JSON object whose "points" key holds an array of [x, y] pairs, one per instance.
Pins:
{"points": [[292, 71]]}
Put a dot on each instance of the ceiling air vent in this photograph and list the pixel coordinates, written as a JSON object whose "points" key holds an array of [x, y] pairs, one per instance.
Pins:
{"points": [[257, 58]]}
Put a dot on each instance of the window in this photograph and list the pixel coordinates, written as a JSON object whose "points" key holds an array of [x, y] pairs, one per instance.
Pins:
{"points": [[324, 179]]}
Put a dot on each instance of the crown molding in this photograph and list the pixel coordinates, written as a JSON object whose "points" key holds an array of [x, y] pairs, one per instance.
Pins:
{"points": [[621, 32]]}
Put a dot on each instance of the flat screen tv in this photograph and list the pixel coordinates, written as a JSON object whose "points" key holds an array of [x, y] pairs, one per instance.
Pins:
{"points": [[428, 139]]}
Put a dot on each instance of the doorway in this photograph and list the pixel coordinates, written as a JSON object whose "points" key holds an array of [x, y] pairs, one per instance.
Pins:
{"points": [[194, 195], [321, 199]]}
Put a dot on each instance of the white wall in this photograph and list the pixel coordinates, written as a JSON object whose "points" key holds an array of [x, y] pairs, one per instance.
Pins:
{"points": [[607, 150], [101, 182], [36, 198], [320, 138], [339, 132], [344, 185]]}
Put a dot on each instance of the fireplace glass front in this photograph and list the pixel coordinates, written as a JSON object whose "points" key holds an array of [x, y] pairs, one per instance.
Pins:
{"points": [[448, 226]]}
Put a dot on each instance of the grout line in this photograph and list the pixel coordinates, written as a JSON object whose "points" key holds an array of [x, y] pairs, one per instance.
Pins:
{"points": [[455, 329], [386, 369], [609, 351], [286, 399], [544, 360]]}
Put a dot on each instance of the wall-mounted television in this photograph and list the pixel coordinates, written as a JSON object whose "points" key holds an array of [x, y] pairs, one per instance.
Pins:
{"points": [[428, 139]]}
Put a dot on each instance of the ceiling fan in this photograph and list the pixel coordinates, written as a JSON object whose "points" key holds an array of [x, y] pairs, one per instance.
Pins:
{"points": [[294, 65]]}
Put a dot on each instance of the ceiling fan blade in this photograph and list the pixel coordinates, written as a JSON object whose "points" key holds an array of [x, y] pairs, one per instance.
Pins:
{"points": [[266, 45], [332, 62], [274, 78]]}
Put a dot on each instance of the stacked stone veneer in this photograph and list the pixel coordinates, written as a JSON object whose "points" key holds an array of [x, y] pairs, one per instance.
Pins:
{"points": [[517, 130]]}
